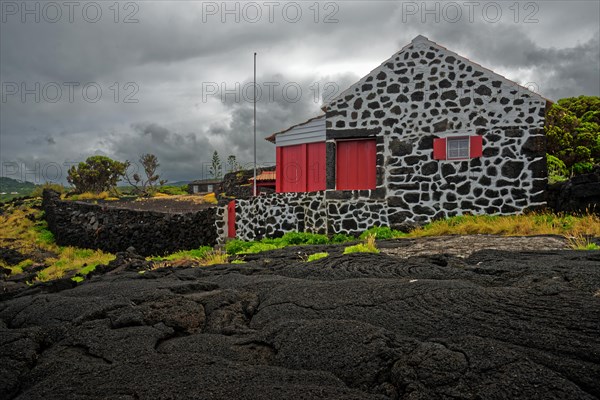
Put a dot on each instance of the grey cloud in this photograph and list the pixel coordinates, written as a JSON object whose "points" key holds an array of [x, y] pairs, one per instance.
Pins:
{"points": [[171, 52]]}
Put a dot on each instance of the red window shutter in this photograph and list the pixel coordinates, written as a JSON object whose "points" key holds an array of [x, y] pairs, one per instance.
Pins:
{"points": [[356, 165], [315, 167], [439, 149], [476, 146]]}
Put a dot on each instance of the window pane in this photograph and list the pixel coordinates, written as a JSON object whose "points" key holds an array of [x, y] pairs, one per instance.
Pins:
{"points": [[458, 148]]}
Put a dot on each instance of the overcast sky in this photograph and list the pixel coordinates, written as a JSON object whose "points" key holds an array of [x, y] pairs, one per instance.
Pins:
{"points": [[86, 78]]}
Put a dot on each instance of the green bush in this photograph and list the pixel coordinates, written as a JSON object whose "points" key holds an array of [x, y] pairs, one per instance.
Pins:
{"points": [[236, 246], [557, 170], [573, 133], [317, 256], [382, 232], [341, 238], [258, 247], [297, 238]]}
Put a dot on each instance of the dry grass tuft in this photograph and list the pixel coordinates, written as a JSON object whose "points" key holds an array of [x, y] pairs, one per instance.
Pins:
{"points": [[581, 242], [513, 225], [90, 196]]}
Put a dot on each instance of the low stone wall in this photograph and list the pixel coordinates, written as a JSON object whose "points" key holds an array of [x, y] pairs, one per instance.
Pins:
{"points": [[111, 229], [272, 215], [579, 194]]}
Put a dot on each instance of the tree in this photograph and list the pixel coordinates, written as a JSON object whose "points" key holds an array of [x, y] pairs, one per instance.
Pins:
{"points": [[233, 164], [97, 174], [216, 166], [573, 132], [145, 186]]}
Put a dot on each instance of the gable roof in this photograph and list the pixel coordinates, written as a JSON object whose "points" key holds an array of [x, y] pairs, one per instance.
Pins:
{"points": [[265, 176], [420, 39], [271, 138]]}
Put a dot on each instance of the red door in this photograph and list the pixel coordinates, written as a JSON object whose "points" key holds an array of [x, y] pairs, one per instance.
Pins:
{"points": [[356, 164], [301, 168], [231, 219]]}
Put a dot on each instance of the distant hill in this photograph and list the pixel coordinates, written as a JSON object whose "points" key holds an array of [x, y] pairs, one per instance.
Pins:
{"points": [[177, 183], [11, 188]]}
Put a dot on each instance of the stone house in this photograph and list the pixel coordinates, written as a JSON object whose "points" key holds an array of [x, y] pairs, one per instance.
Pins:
{"points": [[427, 134]]}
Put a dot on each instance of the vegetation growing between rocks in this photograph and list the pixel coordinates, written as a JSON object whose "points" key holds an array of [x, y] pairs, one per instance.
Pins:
{"points": [[237, 246], [368, 246], [317, 256], [513, 225], [23, 229], [570, 226], [202, 256]]}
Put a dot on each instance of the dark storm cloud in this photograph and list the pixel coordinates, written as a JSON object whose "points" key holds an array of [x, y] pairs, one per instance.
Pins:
{"points": [[175, 50]]}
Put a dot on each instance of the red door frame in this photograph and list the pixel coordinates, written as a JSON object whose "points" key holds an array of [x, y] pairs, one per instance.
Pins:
{"points": [[231, 219]]}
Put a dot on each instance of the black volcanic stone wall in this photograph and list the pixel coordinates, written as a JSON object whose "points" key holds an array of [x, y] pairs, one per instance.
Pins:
{"points": [[110, 229], [580, 194]]}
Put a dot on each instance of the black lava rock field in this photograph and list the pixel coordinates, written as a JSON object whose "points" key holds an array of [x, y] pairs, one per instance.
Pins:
{"points": [[494, 325]]}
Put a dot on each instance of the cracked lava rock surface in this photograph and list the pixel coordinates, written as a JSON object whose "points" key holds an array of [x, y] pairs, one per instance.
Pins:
{"points": [[493, 325]]}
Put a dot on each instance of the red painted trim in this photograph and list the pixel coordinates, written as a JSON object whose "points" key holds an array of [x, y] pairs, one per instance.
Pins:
{"points": [[315, 167], [278, 169], [475, 146], [439, 149], [231, 219]]}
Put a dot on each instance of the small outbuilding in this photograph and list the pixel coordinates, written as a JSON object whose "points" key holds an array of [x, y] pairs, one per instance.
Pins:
{"points": [[265, 181], [204, 186]]}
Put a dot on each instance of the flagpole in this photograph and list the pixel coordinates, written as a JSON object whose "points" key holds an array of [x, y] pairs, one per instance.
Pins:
{"points": [[254, 191]]}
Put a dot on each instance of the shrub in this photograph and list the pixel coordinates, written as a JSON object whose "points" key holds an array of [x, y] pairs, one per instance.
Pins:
{"points": [[573, 132], [557, 171], [382, 232], [297, 238], [258, 247], [236, 246], [341, 238], [97, 174], [317, 256]]}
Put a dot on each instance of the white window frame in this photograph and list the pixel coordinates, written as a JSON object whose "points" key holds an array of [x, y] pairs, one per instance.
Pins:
{"points": [[459, 155]]}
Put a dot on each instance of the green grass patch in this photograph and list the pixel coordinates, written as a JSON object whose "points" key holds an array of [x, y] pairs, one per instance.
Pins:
{"points": [[513, 225], [195, 254], [236, 246], [317, 256], [367, 247], [382, 232]]}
